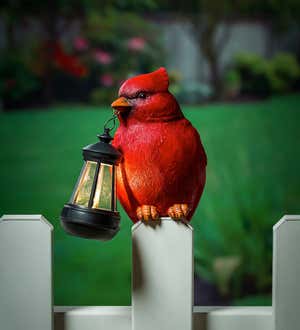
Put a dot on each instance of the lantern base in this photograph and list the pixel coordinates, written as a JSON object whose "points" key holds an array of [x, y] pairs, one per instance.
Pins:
{"points": [[90, 223]]}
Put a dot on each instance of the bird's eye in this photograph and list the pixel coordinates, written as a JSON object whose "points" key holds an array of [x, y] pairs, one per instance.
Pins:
{"points": [[141, 95]]}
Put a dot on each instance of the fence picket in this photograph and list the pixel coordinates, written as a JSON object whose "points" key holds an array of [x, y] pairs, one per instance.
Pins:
{"points": [[286, 273], [162, 292], [25, 273]]}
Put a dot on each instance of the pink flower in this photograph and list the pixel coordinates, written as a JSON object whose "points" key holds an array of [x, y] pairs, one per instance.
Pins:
{"points": [[102, 57], [80, 43], [136, 43], [107, 80]]}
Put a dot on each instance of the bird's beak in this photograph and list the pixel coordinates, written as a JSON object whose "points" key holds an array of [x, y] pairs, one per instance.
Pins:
{"points": [[121, 104]]}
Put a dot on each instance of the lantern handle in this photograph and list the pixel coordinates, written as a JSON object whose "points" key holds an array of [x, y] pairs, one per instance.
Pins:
{"points": [[113, 120], [106, 137]]}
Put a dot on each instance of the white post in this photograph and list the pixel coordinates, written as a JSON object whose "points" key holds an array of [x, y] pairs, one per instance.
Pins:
{"points": [[286, 273], [162, 276], [25, 273]]}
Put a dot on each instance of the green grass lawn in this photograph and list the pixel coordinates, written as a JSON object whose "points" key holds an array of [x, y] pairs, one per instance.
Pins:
{"points": [[253, 179]]}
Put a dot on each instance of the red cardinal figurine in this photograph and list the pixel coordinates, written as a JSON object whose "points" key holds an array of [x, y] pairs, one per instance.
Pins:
{"points": [[163, 167]]}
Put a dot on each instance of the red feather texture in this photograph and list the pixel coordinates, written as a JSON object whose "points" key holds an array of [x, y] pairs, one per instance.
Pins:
{"points": [[163, 158]]}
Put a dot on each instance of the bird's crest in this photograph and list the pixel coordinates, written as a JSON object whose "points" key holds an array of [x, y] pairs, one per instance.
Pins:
{"points": [[156, 81]]}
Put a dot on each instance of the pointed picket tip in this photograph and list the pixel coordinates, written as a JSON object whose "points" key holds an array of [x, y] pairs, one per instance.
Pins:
{"points": [[26, 217], [285, 218]]}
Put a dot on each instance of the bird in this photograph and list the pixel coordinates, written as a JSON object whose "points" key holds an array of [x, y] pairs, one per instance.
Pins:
{"points": [[163, 169]]}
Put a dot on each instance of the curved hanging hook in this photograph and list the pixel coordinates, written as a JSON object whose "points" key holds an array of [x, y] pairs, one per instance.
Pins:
{"points": [[113, 120]]}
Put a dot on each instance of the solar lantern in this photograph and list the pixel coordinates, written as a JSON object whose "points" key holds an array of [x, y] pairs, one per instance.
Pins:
{"points": [[92, 209]]}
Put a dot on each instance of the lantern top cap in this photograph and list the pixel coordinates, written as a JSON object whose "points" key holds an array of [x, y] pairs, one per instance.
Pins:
{"points": [[105, 137], [102, 150]]}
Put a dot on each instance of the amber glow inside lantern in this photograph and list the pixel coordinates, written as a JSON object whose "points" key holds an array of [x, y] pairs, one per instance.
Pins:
{"points": [[95, 188], [92, 209]]}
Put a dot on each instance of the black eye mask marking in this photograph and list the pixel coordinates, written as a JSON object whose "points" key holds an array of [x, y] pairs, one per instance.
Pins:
{"points": [[138, 95]]}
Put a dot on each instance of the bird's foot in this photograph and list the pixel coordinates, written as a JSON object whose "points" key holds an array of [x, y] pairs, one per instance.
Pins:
{"points": [[178, 211], [147, 213]]}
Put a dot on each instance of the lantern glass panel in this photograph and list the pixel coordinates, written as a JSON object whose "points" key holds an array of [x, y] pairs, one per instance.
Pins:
{"points": [[115, 189], [103, 194], [84, 188]]}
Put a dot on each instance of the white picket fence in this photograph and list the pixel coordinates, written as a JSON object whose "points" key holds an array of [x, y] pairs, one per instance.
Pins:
{"points": [[162, 278]]}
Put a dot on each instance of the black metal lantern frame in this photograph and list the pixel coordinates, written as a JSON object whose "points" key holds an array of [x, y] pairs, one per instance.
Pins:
{"points": [[92, 209]]}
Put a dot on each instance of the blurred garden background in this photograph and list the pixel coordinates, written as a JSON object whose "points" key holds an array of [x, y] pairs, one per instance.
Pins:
{"points": [[234, 66]]}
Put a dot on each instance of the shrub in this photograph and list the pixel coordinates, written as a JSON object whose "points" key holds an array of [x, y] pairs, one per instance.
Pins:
{"points": [[16, 79], [114, 46], [110, 47], [253, 70], [232, 82], [263, 77], [285, 70]]}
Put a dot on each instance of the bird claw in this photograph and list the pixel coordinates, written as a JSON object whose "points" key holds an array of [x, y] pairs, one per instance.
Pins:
{"points": [[147, 213], [178, 211]]}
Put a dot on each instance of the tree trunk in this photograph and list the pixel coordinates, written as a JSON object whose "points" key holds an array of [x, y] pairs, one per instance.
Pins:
{"points": [[208, 47], [215, 75], [205, 32]]}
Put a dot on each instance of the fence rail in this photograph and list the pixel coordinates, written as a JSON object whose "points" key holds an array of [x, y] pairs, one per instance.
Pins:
{"points": [[205, 318]]}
